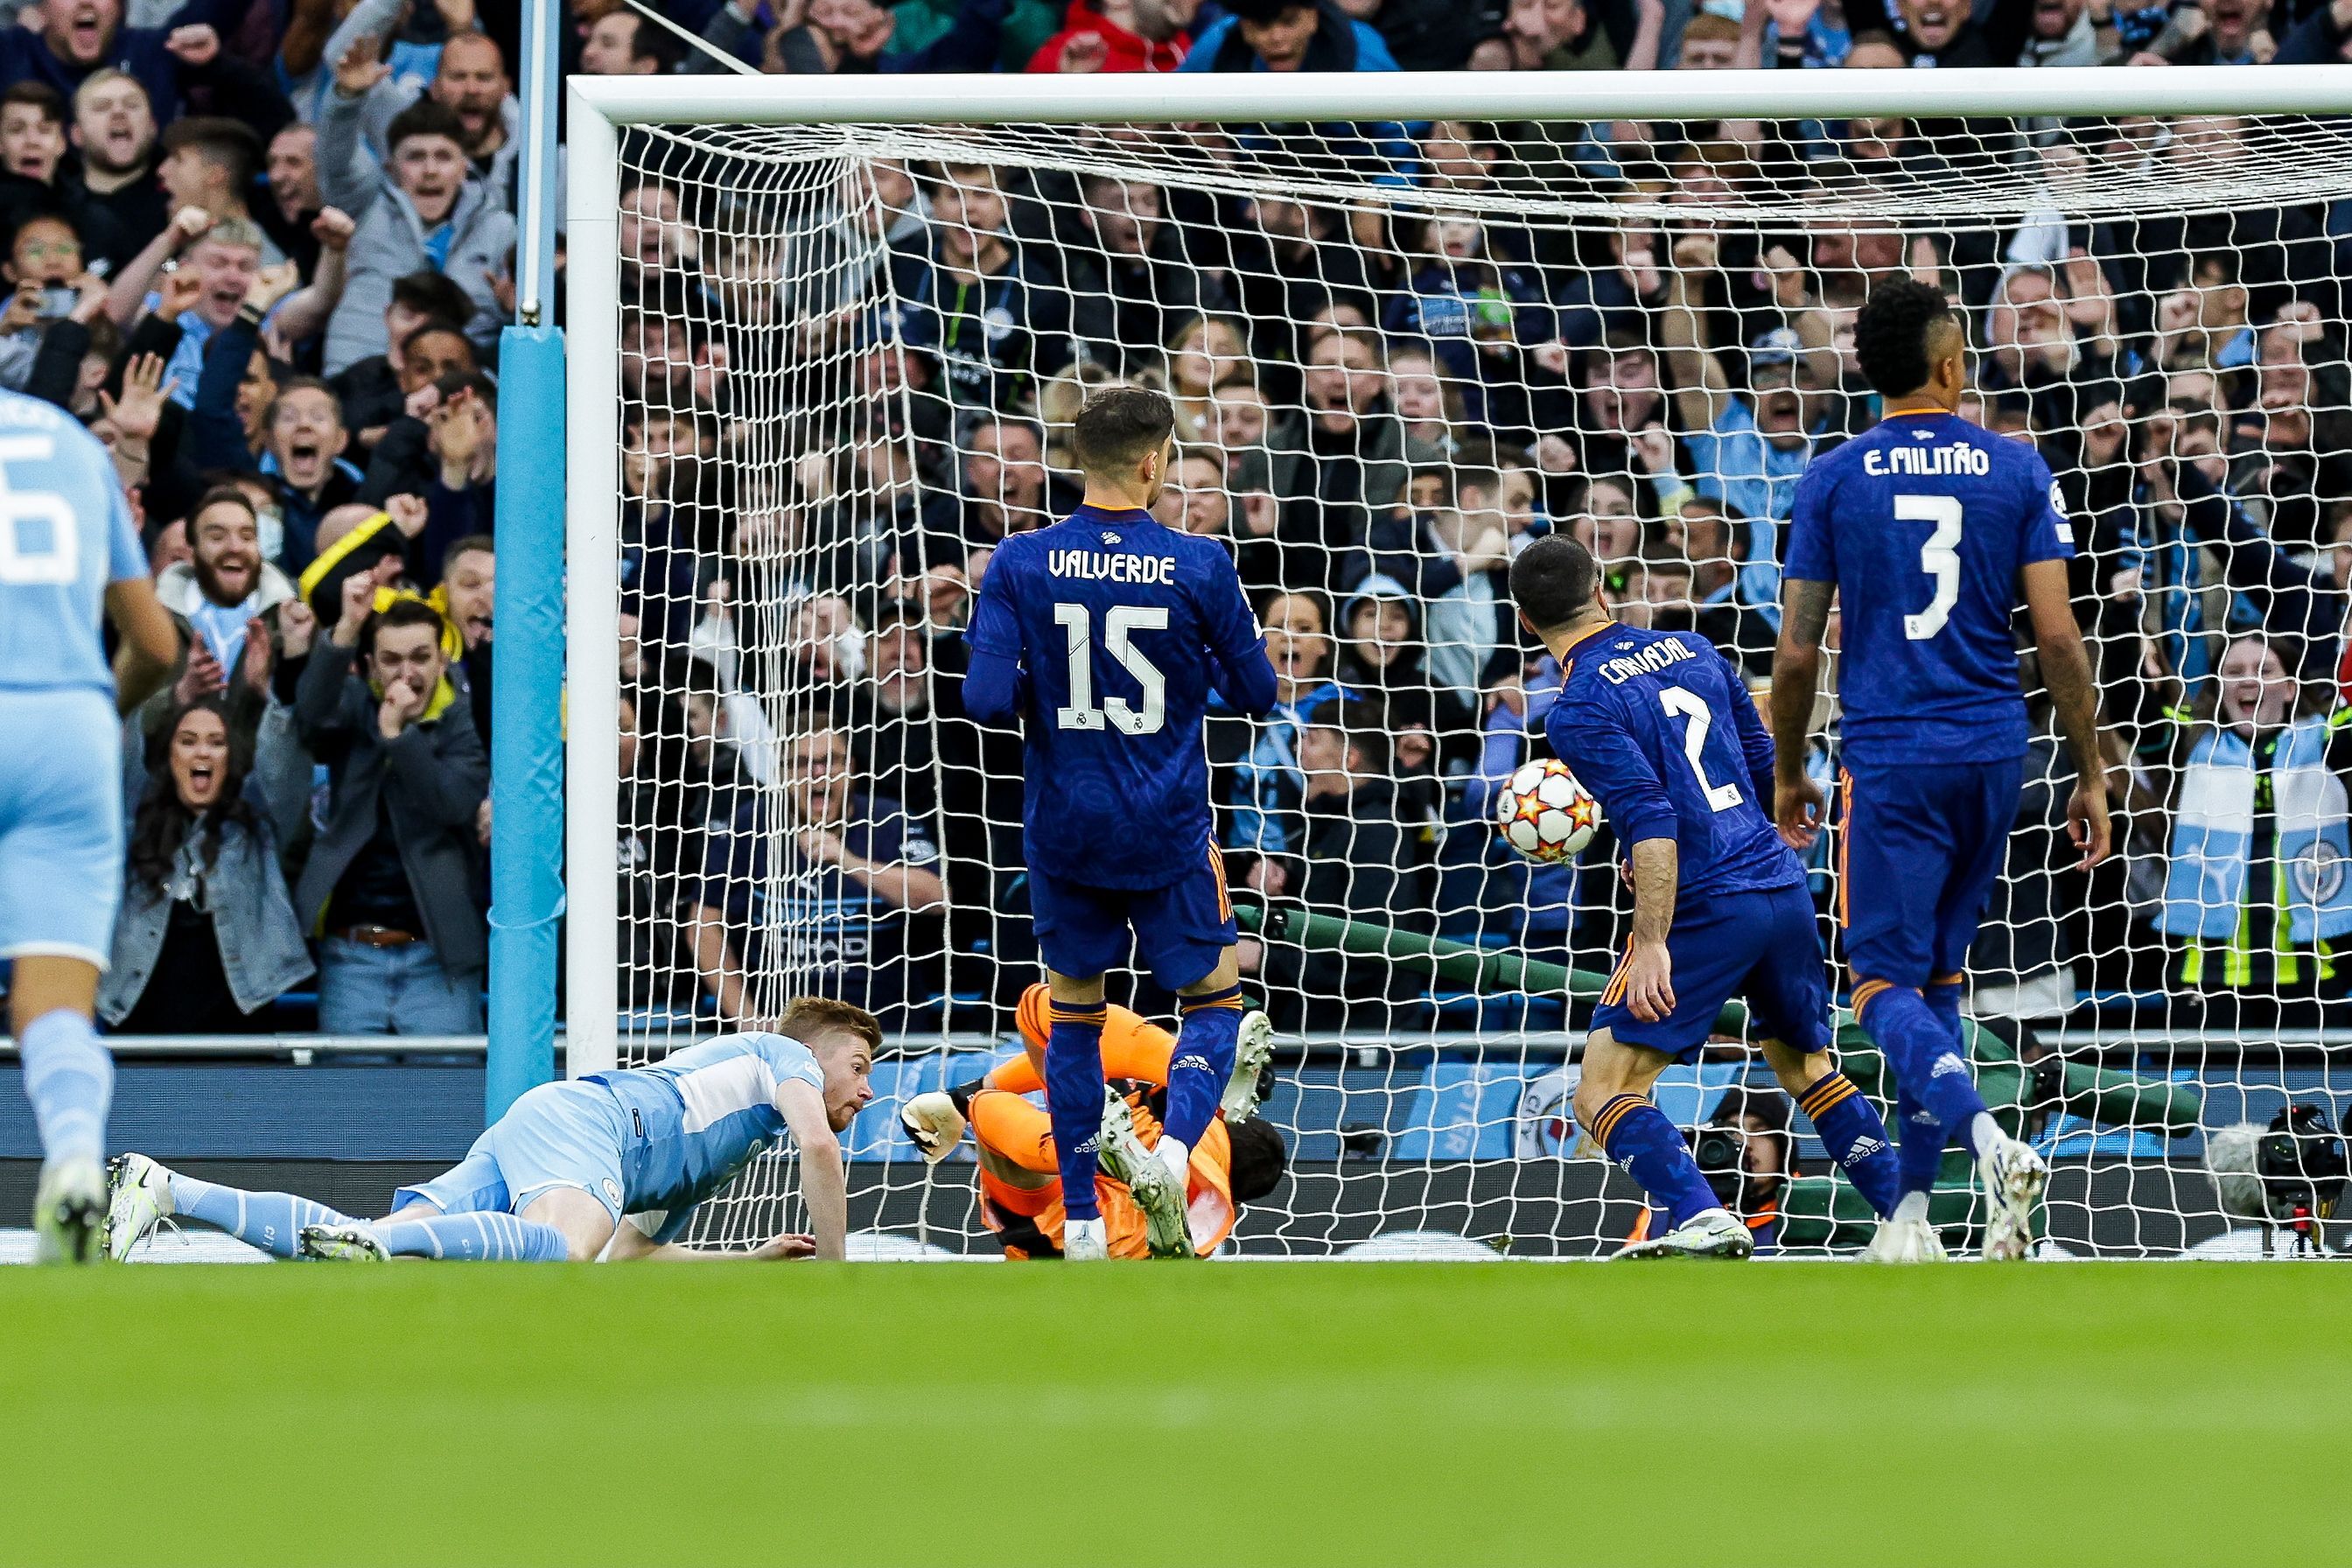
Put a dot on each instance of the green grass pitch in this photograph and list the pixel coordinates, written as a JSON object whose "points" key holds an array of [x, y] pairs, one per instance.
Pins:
{"points": [[1828, 1416]]}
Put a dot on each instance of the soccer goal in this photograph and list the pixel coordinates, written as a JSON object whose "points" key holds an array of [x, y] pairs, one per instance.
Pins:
{"points": [[828, 337]]}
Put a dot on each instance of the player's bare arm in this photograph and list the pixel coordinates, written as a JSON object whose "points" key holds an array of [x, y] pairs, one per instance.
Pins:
{"points": [[824, 1179], [1649, 969], [2066, 672], [151, 643], [1796, 677]]}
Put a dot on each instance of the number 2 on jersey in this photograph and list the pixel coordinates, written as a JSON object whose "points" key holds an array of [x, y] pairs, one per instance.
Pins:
{"points": [[1939, 557], [1698, 722], [1119, 623]]}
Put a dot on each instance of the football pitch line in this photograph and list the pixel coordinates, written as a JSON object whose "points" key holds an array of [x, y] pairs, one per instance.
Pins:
{"points": [[1679, 1415]]}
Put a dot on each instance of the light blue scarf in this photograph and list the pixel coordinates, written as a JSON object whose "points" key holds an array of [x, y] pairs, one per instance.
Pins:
{"points": [[2213, 840]]}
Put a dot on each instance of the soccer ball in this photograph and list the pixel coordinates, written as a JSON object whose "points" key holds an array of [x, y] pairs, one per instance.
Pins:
{"points": [[1545, 813]]}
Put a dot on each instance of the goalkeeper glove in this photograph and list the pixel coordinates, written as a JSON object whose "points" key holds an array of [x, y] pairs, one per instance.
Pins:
{"points": [[934, 1124]]}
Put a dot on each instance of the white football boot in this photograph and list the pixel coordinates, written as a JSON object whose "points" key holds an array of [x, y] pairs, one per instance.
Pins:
{"points": [[1085, 1241], [1252, 1050], [139, 1198], [354, 1243], [2013, 1176], [1711, 1233], [1904, 1241], [69, 1212], [1158, 1191]]}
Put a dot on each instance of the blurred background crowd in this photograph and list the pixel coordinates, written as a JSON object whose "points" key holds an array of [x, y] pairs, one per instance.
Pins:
{"points": [[262, 247]]}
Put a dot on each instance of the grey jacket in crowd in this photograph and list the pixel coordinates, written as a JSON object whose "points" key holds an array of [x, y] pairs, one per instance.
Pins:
{"points": [[432, 780], [260, 941], [390, 241]]}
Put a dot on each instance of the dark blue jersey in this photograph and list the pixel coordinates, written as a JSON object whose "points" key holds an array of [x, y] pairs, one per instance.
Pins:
{"points": [[1122, 628], [1662, 732], [1923, 524]]}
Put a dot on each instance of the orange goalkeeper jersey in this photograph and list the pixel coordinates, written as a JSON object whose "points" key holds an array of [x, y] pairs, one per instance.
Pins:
{"points": [[1021, 1133]]}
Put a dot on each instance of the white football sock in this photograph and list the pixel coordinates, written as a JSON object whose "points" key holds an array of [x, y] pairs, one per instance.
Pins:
{"points": [[1984, 1133], [1910, 1207], [1176, 1157]]}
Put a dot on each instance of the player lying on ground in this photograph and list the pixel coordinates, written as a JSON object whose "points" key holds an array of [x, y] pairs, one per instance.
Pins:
{"points": [[1927, 529], [70, 554], [1105, 635], [1658, 726], [610, 1165], [1238, 1159]]}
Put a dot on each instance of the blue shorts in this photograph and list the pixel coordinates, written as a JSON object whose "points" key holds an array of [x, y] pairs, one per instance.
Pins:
{"points": [[1919, 845], [61, 824], [1181, 931], [567, 1134], [1761, 946]]}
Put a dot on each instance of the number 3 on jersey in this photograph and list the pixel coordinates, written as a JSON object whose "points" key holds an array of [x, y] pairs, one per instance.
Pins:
{"points": [[1119, 623], [1939, 557]]}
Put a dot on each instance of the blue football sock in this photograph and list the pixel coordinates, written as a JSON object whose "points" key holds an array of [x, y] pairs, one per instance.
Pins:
{"points": [[1924, 1054], [270, 1221], [1203, 1061], [70, 1078], [1924, 1138], [1074, 1099], [1856, 1138], [473, 1238], [1638, 1136]]}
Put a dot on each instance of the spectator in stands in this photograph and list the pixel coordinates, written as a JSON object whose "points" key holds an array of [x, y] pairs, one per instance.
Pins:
{"points": [[1357, 459], [470, 78], [208, 163], [1557, 35], [424, 340], [1262, 754], [1119, 36], [1288, 36], [2251, 896], [303, 462], [290, 165], [79, 37], [205, 937], [114, 131], [390, 876], [226, 600], [427, 211], [449, 457], [1006, 489], [622, 43], [860, 36], [1143, 272], [856, 874], [979, 301]]}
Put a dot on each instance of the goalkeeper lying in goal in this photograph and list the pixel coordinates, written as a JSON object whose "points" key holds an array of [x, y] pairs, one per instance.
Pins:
{"points": [[1238, 1160], [610, 1165]]}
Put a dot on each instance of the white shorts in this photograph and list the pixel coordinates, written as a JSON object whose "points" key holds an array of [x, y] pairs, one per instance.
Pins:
{"points": [[61, 858]]}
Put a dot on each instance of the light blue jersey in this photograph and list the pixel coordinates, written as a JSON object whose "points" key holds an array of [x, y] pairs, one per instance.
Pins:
{"points": [[700, 1115], [65, 535], [647, 1142]]}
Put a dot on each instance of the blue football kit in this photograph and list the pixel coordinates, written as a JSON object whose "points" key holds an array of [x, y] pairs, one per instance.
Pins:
{"points": [[1923, 524], [1105, 635], [65, 535], [1122, 628], [1662, 733]]}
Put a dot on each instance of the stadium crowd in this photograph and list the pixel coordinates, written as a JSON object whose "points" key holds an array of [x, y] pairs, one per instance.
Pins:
{"points": [[262, 247]]}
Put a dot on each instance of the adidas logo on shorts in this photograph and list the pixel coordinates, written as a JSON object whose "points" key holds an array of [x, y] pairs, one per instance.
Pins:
{"points": [[1864, 1147], [1090, 1144], [1196, 1062]]}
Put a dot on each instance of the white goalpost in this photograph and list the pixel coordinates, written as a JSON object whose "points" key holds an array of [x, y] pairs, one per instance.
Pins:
{"points": [[826, 335]]}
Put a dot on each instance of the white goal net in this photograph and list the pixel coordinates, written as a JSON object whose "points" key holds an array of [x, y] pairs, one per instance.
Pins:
{"points": [[847, 357]]}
